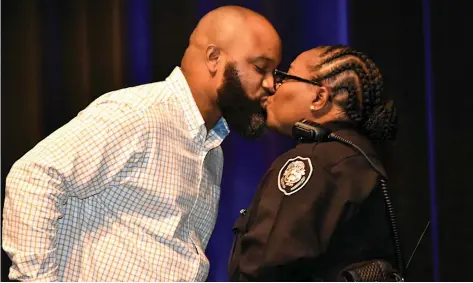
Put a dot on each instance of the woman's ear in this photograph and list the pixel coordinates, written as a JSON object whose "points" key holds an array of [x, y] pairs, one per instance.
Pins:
{"points": [[322, 97]]}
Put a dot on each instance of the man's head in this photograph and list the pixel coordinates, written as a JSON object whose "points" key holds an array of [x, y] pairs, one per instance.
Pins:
{"points": [[332, 83], [229, 64]]}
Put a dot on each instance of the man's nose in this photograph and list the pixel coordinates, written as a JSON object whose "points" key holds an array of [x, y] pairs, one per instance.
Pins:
{"points": [[268, 85]]}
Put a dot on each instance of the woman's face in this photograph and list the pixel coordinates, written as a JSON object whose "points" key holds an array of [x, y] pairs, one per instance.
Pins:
{"points": [[293, 98]]}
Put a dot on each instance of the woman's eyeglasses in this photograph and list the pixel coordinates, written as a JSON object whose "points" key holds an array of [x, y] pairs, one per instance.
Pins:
{"points": [[280, 76]]}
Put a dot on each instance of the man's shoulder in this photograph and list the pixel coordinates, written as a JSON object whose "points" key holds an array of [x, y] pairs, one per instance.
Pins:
{"points": [[140, 96], [138, 105]]}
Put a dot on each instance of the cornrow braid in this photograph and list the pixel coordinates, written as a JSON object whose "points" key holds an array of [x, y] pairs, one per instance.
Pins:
{"points": [[352, 104], [363, 104], [374, 84], [331, 48]]}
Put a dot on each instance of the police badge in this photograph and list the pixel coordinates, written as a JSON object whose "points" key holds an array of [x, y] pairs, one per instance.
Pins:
{"points": [[294, 175]]}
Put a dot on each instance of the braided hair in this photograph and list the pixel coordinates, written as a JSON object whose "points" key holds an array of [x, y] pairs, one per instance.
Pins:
{"points": [[350, 72]]}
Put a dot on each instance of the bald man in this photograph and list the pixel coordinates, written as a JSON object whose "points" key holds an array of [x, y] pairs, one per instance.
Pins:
{"points": [[128, 190]]}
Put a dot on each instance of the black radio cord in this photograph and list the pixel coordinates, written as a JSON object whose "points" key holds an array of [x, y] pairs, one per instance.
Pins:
{"points": [[389, 205]]}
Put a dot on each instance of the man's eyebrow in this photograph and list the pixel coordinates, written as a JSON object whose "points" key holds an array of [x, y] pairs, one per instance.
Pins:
{"points": [[261, 58]]}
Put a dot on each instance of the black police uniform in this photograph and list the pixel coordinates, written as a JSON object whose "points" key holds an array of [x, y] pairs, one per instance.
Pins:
{"points": [[318, 209]]}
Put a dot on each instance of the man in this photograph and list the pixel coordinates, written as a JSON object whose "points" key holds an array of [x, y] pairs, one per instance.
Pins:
{"points": [[320, 207], [128, 190]]}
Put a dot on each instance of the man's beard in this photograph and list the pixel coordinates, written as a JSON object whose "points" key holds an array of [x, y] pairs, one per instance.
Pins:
{"points": [[243, 115]]}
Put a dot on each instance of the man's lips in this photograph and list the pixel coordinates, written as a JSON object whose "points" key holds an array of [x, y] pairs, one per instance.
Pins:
{"points": [[264, 102]]}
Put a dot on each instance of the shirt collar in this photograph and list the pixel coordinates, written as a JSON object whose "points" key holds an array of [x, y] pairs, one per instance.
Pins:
{"points": [[192, 116], [217, 134]]}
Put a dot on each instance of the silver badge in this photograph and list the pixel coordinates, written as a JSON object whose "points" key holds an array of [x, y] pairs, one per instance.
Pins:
{"points": [[294, 175]]}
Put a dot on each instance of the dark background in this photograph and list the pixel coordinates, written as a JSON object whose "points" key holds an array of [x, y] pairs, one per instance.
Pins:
{"points": [[58, 56]]}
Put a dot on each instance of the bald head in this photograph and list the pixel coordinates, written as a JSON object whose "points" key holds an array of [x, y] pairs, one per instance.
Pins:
{"points": [[236, 31], [231, 55], [232, 27]]}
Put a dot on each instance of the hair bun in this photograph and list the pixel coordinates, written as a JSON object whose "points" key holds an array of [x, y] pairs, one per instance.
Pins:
{"points": [[382, 123]]}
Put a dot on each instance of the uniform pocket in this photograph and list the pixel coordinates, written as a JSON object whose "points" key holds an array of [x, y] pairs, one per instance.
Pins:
{"points": [[241, 223], [239, 229]]}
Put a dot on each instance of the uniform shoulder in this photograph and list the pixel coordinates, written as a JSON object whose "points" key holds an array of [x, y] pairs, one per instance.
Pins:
{"points": [[327, 154]]}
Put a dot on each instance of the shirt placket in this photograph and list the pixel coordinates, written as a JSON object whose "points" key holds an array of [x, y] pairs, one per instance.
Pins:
{"points": [[202, 152]]}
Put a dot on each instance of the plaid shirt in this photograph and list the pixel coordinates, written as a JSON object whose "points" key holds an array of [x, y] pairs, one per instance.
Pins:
{"points": [[126, 191]]}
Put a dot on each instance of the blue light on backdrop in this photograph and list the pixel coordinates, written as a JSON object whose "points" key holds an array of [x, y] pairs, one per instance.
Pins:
{"points": [[139, 40], [429, 98]]}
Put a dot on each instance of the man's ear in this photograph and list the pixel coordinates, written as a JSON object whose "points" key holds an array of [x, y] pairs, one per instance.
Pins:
{"points": [[212, 58], [322, 98]]}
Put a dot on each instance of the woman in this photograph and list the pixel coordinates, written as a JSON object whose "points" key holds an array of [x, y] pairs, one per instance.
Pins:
{"points": [[320, 207]]}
